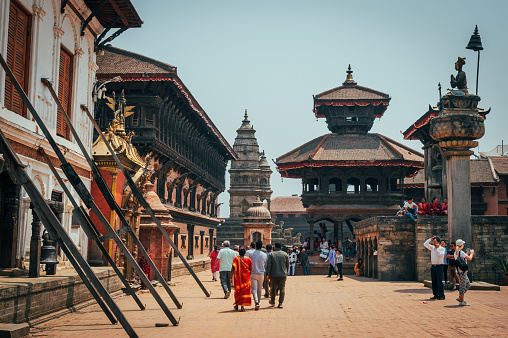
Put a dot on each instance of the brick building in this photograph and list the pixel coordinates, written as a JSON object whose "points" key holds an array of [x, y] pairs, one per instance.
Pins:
{"points": [[189, 155]]}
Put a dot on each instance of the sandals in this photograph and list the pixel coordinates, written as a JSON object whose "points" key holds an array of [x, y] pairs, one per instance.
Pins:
{"points": [[242, 309], [236, 307]]}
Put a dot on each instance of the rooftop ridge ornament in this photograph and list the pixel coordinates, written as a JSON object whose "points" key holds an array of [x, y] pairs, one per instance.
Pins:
{"points": [[349, 77], [475, 43]]}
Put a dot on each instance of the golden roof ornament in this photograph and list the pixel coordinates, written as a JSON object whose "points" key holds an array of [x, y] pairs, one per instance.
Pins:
{"points": [[119, 140]]}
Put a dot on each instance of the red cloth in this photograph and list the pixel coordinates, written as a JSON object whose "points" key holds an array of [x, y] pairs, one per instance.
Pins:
{"points": [[444, 208], [435, 209], [143, 264], [241, 280], [423, 208], [214, 260]]}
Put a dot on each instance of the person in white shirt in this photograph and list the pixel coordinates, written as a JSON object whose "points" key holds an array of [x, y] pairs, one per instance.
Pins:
{"points": [[292, 262], [464, 283], [411, 209], [252, 248], [225, 257], [437, 254]]}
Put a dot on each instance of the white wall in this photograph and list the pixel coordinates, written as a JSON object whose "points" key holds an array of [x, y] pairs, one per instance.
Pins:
{"points": [[51, 29]]}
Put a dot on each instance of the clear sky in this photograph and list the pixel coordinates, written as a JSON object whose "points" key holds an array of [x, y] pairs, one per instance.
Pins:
{"points": [[270, 57]]}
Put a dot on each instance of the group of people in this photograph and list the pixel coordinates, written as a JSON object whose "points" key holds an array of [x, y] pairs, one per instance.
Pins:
{"points": [[412, 210], [249, 271], [335, 258], [452, 260], [348, 247]]}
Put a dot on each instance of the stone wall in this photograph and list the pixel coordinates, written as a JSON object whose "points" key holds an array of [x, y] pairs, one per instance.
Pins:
{"points": [[402, 256], [24, 299]]}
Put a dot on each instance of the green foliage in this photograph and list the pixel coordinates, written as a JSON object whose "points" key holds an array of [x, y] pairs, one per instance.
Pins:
{"points": [[501, 264]]}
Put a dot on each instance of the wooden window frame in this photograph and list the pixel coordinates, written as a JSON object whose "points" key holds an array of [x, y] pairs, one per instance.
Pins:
{"points": [[66, 102], [8, 100]]}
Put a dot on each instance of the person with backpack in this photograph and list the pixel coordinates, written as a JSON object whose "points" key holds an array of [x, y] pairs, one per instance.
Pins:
{"points": [[461, 259]]}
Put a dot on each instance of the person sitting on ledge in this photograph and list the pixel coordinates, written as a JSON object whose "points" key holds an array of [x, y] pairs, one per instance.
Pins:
{"points": [[444, 207], [435, 207], [423, 207], [411, 209], [359, 268]]}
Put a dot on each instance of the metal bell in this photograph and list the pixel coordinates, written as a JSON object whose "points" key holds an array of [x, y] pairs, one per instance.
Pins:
{"points": [[48, 254]]}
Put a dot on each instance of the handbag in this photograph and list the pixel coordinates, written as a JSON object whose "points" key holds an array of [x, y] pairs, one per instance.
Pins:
{"points": [[460, 262]]}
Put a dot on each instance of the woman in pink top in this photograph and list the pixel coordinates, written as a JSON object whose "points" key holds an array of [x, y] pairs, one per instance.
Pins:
{"points": [[215, 263]]}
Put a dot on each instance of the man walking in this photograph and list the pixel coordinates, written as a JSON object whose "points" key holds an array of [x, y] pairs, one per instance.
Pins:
{"points": [[331, 259], [304, 259], [252, 248], [226, 256], [266, 282], [292, 262], [277, 269], [258, 259], [437, 254]]}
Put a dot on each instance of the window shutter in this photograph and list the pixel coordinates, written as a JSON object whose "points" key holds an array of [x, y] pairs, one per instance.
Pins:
{"points": [[17, 57], [64, 91]]}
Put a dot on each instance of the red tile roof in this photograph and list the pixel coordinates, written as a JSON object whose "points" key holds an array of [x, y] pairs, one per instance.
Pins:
{"points": [[116, 61], [500, 164], [481, 173], [287, 205], [347, 148], [352, 92]]}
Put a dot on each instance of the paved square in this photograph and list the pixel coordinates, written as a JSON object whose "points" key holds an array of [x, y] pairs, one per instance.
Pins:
{"points": [[315, 306]]}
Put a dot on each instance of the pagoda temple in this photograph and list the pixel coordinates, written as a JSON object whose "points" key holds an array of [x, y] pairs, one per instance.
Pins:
{"points": [[349, 174]]}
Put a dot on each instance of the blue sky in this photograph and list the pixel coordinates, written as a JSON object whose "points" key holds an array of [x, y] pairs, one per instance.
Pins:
{"points": [[270, 57]]}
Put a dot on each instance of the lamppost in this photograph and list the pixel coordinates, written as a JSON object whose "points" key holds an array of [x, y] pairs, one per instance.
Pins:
{"points": [[475, 43]]}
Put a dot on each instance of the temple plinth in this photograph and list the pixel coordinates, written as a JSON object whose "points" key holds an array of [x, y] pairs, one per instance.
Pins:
{"points": [[456, 129]]}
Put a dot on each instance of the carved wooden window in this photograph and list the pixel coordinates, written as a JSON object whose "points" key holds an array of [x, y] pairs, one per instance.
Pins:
{"points": [[263, 181], [372, 184], [17, 57], [196, 241], [206, 242], [256, 236], [64, 91], [335, 184], [184, 244], [353, 185]]}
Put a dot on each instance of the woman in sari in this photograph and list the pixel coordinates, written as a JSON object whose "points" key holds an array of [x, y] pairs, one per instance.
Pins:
{"points": [[359, 268], [423, 207], [214, 262], [435, 207], [143, 264], [240, 278]]}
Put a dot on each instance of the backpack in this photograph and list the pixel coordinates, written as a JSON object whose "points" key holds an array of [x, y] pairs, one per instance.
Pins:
{"points": [[460, 262]]}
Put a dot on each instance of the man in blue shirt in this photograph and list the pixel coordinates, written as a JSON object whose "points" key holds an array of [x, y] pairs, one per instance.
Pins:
{"points": [[257, 274], [226, 256], [331, 259]]}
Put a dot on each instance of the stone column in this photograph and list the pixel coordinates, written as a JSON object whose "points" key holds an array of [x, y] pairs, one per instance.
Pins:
{"points": [[34, 270], [456, 128]]}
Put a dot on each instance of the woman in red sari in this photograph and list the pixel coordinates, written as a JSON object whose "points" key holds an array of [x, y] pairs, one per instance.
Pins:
{"points": [[444, 207], [435, 207], [423, 207], [214, 262], [240, 278], [143, 264]]}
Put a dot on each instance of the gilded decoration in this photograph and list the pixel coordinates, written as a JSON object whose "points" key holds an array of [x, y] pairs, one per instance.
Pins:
{"points": [[119, 140]]}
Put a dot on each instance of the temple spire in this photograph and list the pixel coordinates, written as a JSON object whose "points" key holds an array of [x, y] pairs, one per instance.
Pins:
{"points": [[349, 77]]}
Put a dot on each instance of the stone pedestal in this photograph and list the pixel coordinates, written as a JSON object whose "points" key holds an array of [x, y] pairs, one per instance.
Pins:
{"points": [[456, 128]]}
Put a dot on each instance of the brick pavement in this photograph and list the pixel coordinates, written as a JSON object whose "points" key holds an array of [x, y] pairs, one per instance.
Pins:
{"points": [[315, 306]]}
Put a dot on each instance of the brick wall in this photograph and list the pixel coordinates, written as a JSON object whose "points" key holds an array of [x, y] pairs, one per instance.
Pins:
{"points": [[402, 256], [23, 301]]}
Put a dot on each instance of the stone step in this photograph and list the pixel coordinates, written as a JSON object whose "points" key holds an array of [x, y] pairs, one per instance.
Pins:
{"points": [[474, 286], [14, 330]]}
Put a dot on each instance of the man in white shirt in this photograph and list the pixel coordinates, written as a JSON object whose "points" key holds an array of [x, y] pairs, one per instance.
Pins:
{"points": [[252, 248], [437, 254], [292, 262], [258, 259], [226, 256]]}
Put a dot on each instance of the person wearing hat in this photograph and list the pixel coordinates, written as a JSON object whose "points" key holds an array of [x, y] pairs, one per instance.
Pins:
{"points": [[464, 283], [437, 254]]}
